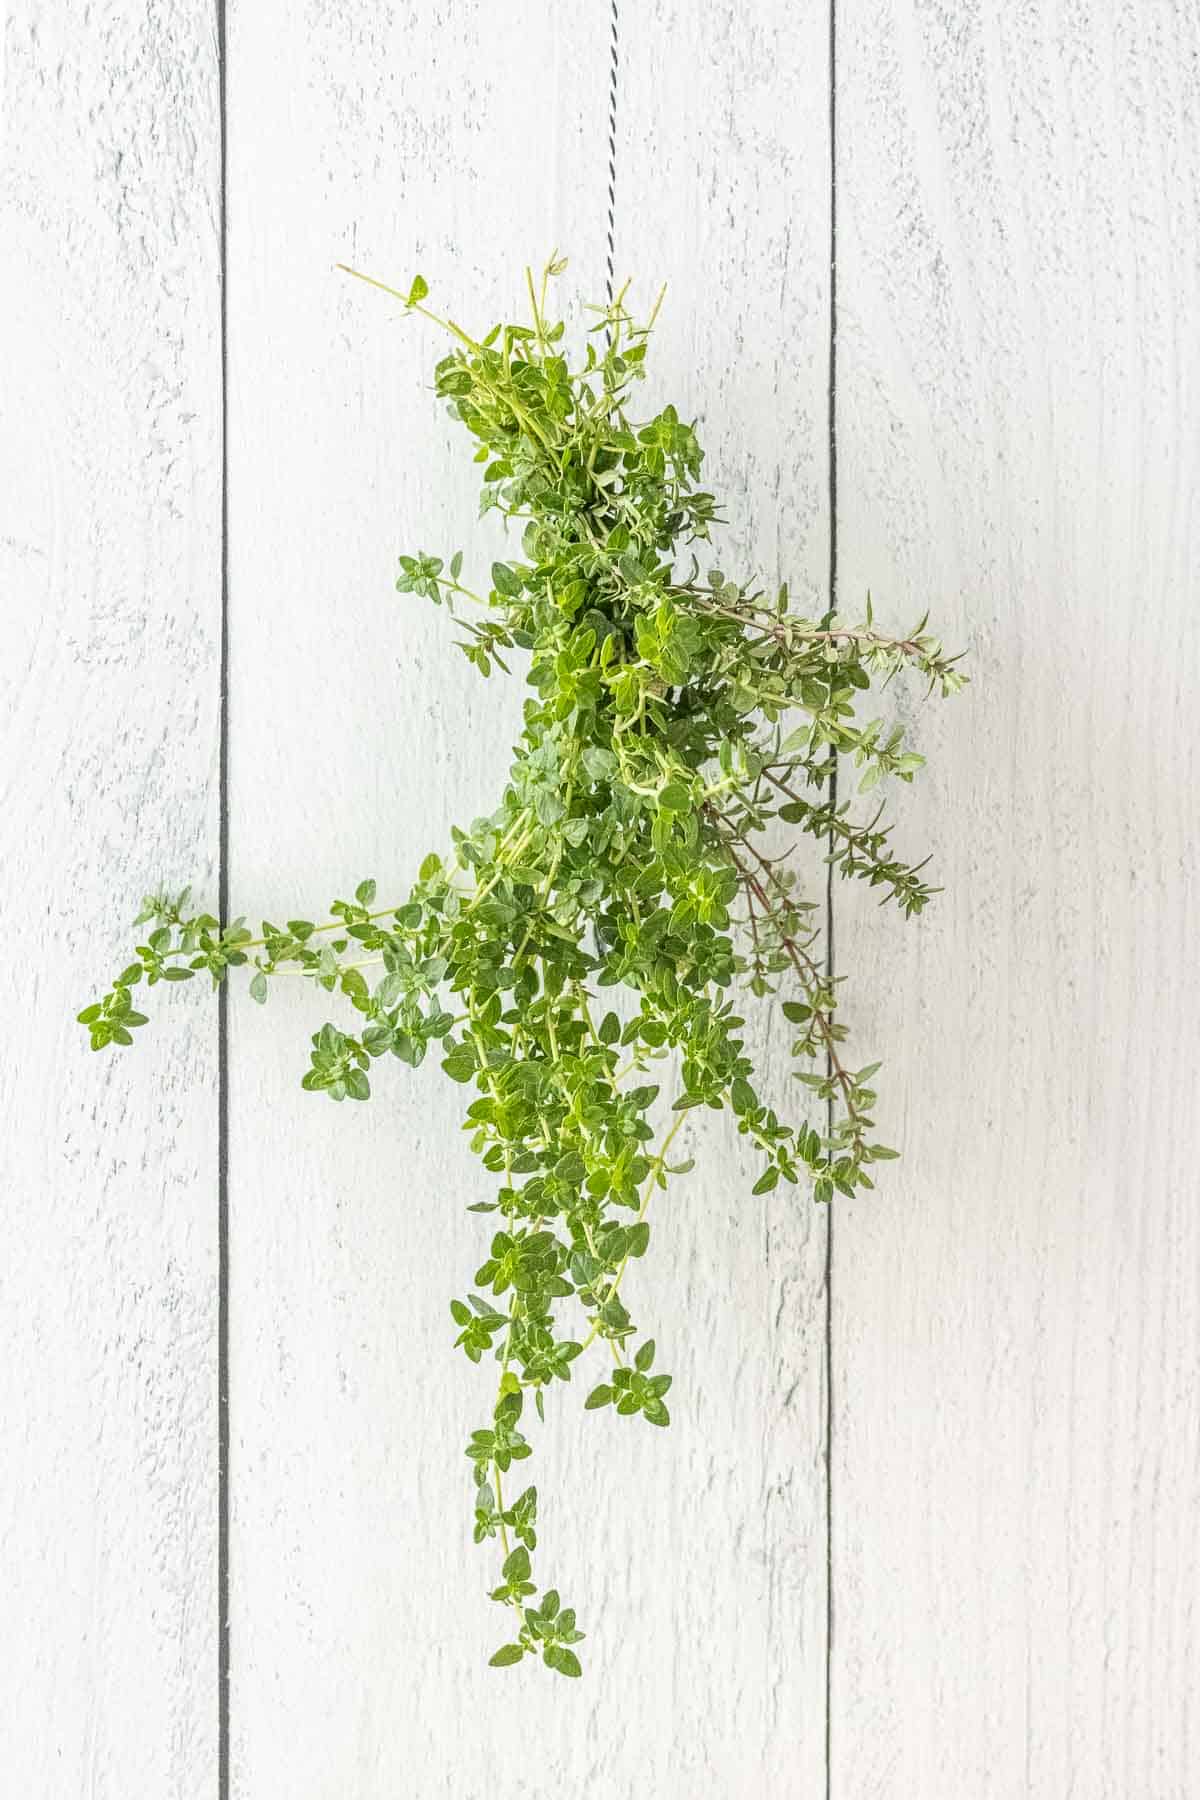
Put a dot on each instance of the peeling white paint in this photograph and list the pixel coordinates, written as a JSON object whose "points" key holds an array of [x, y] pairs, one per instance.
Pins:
{"points": [[110, 599]]}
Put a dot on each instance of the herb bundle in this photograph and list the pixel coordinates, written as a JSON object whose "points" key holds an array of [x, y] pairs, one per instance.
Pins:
{"points": [[674, 717]]}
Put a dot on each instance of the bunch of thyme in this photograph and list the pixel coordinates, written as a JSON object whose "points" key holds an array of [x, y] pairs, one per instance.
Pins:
{"points": [[674, 716]]}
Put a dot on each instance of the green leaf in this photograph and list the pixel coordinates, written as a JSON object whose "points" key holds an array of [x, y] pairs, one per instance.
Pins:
{"points": [[599, 1396], [258, 988], [637, 1238], [505, 1656], [460, 1064], [418, 291], [516, 1565], [742, 1096], [506, 581], [548, 807]]}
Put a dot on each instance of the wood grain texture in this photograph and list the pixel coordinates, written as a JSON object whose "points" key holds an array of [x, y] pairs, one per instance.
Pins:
{"points": [[1017, 1313], [394, 141], [723, 192], [110, 597]]}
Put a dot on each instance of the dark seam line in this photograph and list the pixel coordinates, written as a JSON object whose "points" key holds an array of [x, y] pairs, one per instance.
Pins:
{"points": [[223, 992], [830, 964], [612, 156]]}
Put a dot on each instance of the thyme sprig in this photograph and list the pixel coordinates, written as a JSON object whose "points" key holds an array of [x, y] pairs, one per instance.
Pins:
{"points": [[674, 719]]}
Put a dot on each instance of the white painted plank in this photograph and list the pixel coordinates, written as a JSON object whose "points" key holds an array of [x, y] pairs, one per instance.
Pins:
{"points": [[110, 590], [1017, 1314], [463, 142], [723, 192]]}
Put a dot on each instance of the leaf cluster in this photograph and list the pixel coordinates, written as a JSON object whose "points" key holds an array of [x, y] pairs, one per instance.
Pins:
{"points": [[574, 958]]}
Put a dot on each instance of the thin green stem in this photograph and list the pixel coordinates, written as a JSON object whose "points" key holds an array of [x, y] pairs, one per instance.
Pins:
{"points": [[651, 1182]]}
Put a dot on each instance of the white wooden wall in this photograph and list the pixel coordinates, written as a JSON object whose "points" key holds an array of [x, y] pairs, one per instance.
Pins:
{"points": [[997, 1384]]}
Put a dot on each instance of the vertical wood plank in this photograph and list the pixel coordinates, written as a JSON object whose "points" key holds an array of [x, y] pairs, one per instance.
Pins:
{"points": [[1017, 1312], [723, 191], [110, 591], [463, 141]]}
